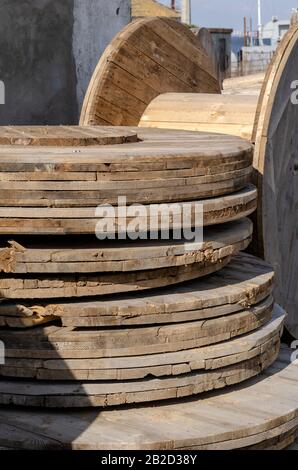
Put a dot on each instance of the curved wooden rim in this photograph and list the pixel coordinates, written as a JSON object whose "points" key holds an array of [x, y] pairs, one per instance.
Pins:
{"points": [[116, 71], [262, 123]]}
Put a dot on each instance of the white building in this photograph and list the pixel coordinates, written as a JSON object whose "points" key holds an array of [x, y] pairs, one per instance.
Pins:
{"points": [[274, 31]]}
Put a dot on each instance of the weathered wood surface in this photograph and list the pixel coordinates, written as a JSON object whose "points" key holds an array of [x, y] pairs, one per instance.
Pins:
{"points": [[73, 221], [241, 417], [275, 161], [156, 352], [241, 284], [101, 394], [149, 57], [223, 114], [41, 286], [72, 136], [54, 342], [215, 166], [89, 255]]}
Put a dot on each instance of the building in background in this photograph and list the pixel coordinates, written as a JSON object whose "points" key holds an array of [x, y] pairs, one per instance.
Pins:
{"points": [[274, 31], [49, 49], [143, 8]]}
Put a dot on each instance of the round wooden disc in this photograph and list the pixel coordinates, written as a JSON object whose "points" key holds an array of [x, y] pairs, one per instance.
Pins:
{"points": [[245, 282], [89, 255], [164, 166], [42, 286], [149, 57], [73, 221], [57, 343], [57, 136], [275, 161], [110, 393], [262, 414]]}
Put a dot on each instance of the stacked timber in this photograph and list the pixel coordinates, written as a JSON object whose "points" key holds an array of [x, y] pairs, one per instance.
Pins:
{"points": [[105, 322]]}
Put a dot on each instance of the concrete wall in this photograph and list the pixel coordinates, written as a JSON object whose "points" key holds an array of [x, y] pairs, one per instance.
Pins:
{"points": [[49, 49]]}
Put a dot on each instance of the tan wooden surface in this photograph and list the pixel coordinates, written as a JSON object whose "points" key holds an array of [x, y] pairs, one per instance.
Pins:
{"points": [[164, 166], [48, 136], [149, 57], [275, 162], [242, 284], [73, 221], [81, 394], [260, 415], [223, 114], [88, 255]]}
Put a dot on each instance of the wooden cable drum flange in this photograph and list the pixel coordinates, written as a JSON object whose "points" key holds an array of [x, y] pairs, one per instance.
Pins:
{"points": [[84, 220], [74, 394], [135, 363], [275, 161], [164, 166], [98, 346], [243, 283], [149, 57], [62, 136], [41, 286], [261, 415], [26, 256]]}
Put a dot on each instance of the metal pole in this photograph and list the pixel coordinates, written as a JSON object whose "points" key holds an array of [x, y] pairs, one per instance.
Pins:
{"points": [[260, 26], [186, 12], [245, 31], [251, 32], [173, 4]]}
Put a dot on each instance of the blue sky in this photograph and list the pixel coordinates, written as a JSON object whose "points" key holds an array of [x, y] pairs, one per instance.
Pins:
{"points": [[230, 13]]}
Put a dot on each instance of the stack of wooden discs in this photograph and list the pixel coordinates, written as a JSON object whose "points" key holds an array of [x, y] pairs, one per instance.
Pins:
{"points": [[102, 323]]}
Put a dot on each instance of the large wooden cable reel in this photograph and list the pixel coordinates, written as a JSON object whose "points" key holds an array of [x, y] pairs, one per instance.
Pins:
{"points": [[149, 57], [269, 121]]}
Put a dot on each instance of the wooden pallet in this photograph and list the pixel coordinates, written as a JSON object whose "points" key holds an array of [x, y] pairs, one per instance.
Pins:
{"points": [[150, 56], [242, 284], [263, 411], [110, 393]]}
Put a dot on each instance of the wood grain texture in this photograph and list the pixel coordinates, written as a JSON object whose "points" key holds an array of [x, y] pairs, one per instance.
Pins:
{"points": [[42, 286], [242, 284], [156, 351], [163, 166], [149, 57], [55, 136], [223, 114], [102, 394], [241, 417], [90, 255], [83, 220], [275, 162]]}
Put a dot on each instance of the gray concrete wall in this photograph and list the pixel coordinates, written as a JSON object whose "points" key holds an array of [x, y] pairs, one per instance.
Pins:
{"points": [[49, 49], [94, 27]]}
